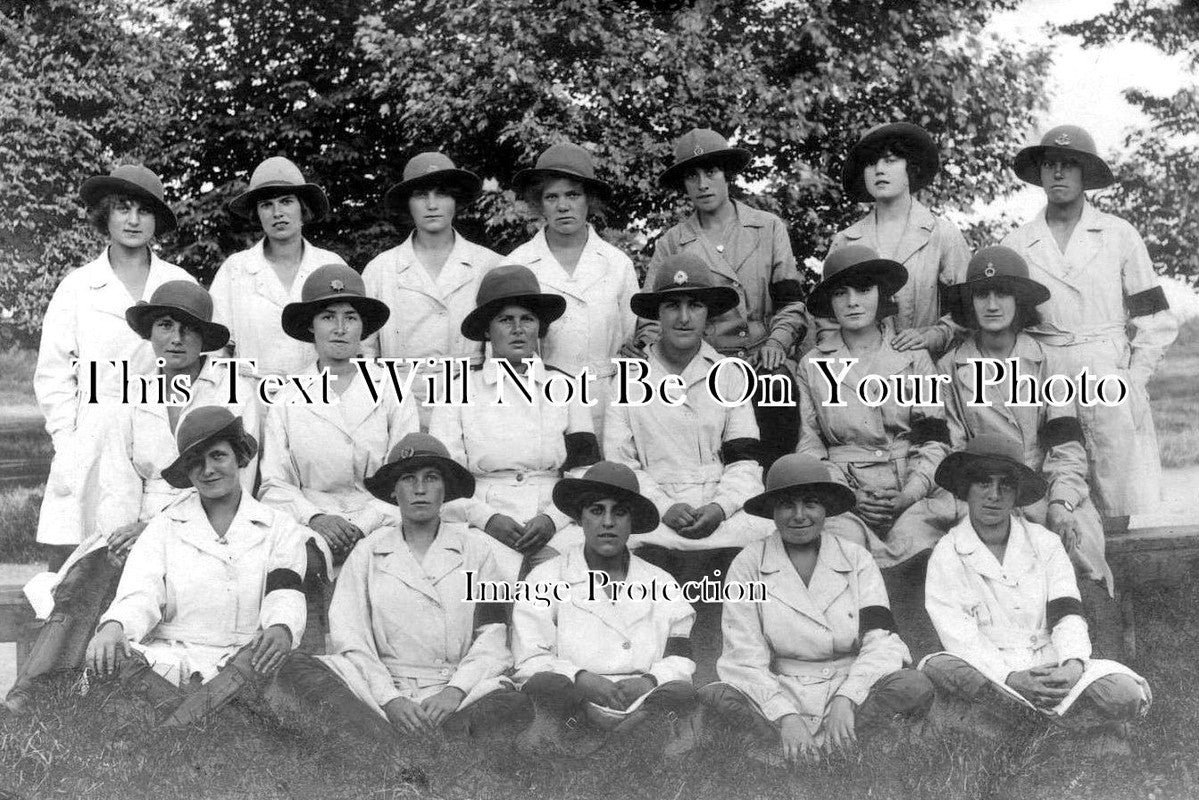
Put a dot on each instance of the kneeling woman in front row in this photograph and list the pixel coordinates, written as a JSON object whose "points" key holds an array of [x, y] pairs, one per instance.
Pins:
{"points": [[820, 658], [1002, 594], [611, 658]]}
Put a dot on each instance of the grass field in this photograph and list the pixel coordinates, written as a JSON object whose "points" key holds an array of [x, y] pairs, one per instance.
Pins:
{"points": [[1174, 395]]}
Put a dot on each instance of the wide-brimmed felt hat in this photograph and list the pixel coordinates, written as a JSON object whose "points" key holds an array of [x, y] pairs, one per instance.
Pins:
{"points": [[851, 265], [608, 479], [414, 451], [700, 147], [510, 284], [919, 140], [793, 473], [278, 176], [427, 170], [1070, 140], [684, 274], [185, 302], [333, 283], [992, 452], [136, 181], [564, 160], [196, 430], [995, 267]]}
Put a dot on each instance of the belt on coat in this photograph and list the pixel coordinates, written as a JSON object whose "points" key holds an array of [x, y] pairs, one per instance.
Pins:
{"points": [[421, 672], [1016, 638], [517, 477], [698, 475], [798, 668], [858, 454], [190, 634], [1112, 331]]}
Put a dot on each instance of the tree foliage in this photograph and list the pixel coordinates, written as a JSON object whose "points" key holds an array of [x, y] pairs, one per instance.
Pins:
{"points": [[1158, 186]]}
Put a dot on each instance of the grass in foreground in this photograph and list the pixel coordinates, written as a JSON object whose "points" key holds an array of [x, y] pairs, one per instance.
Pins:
{"points": [[16, 376], [1174, 397], [19, 509]]}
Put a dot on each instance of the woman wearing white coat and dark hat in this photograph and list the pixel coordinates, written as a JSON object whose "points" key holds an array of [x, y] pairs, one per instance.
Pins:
{"points": [[85, 323]]}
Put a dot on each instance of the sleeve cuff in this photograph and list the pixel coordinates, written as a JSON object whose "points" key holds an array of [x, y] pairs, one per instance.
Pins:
{"points": [[778, 707]]}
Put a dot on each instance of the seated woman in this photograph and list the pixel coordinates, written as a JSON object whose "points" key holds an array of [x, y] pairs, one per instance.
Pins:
{"points": [[211, 574], [617, 660], [820, 659], [516, 450], [405, 638], [1003, 597], [138, 444]]}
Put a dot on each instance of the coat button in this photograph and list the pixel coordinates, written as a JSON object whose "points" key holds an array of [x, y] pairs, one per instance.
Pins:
{"points": [[520, 476], [740, 354], [742, 334], [878, 452], [627, 645], [826, 671]]}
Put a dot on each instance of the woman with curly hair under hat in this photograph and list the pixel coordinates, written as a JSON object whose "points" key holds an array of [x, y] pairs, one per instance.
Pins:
{"points": [[85, 323]]}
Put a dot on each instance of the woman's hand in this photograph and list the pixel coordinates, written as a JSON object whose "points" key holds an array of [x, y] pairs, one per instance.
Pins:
{"points": [[679, 516], [504, 530], [107, 648], [707, 520], [632, 688], [877, 506], [122, 539], [538, 532], [340, 533], [915, 339], [839, 722], [439, 707], [1061, 521], [271, 646], [599, 690], [408, 716], [797, 742], [770, 356]]}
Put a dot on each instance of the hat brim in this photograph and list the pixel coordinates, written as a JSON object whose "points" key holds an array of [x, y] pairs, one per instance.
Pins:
{"points": [[1032, 487], [1096, 174], [313, 196], [468, 184], [718, 299], [142, 316], [837, 498], [569, 494], [459, 482], [95, 188], [730, 159], [547, 307], [959, 297], [297, 317], [890, 276], [927, 155], [176, 473], [526, 177]]}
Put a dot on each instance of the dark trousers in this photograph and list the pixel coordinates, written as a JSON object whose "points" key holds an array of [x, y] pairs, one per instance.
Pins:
{"points": [[561, 697], [778, 428], [690, 565], [905, 590]]}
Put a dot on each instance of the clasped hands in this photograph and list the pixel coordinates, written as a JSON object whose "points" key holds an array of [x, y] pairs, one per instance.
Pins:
{"points": [[612, 694], [426, 716], [691, 522], [837, 733], [1047, 685], [530, 537]]}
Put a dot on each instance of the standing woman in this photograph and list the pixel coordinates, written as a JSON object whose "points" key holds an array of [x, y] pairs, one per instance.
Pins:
{"points": [[516, 451], [252, 286], [85, 320], [887, 167], [569, 258], [434, 275]]}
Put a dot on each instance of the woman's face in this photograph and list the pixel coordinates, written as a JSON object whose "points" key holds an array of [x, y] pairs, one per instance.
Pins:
{"points": [[607, 525], [419, 494], [996, 310], [131, 224], [337, 332], [432, 210], [564, 204], [177, 344], [682, 320], [991, 499], [887, 178], [281, 218], [707, 187], [215, 472], [1061, 177], [799, 518], [855, 308], [513, 333]]}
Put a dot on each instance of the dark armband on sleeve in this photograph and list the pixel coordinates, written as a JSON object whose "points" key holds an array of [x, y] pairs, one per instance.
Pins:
{"points": [[678, 646], [491, 613], [1059, 431], [929, 429], [582, 450], [1061, 607], [283, 579], [1147, 302], [876, 618], [784, 293], [735, 450]]}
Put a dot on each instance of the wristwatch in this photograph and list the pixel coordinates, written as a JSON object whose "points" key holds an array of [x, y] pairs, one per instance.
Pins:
{"points": [[1069, 506]]}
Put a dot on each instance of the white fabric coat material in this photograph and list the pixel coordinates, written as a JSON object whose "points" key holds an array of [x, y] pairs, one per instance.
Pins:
{"points": [[85, 320], [994, 616], [402, 627], [1085, 318], [676, 452], [804, 646], [248, 299], [190, 602]]}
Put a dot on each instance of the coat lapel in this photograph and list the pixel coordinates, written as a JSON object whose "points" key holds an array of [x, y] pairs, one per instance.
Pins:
{"points": [[830, 579], [603, 609], [394, 558], [917, 233], [747, 237], [975, 554], [784, 584], [715, 261]]}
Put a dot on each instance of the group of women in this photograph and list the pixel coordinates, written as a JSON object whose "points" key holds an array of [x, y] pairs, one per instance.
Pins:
{"points": [[1006, 499]]}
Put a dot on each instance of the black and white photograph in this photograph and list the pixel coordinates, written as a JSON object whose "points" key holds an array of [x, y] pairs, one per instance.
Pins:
{"points": [[596, 399]]}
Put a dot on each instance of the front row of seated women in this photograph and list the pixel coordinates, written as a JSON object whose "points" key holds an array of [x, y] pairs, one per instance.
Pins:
{"points": [[806, 670]]}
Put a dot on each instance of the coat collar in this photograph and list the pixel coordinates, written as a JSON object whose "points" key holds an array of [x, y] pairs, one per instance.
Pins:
{"points": [[203, 386], [490, 372], [696, 370], [920, 228], [1025, 349], [257, 262], [741, 245], [1018, 559], [350, 409], [250, 525], [886, 360], [622, 616], [456, 273], [593, 266], [443, 558], [1086, 243], [829, 579]]}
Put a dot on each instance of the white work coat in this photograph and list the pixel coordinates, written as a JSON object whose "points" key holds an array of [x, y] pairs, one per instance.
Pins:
{"points": [[189, 602], [248, 299], [698, 452], [85, 320], [1105, 264], [616, 640], [403, 628], [807, 644], [995, 616]]}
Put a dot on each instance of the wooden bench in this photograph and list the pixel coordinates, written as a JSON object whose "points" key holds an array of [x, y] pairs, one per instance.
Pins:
{"points": [[16, 621]]}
